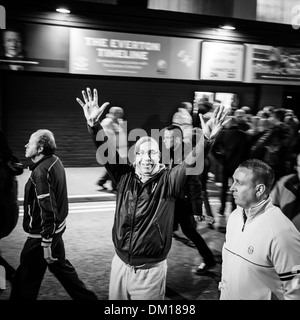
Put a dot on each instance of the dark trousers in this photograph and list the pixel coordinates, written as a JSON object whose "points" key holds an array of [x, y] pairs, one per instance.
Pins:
{"points": [[185, 218], [29, 275]]}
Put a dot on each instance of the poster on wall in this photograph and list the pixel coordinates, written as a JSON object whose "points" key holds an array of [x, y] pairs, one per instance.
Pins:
{"points": [[122, 54], [272, 64], [34, 48], [221, 61]]}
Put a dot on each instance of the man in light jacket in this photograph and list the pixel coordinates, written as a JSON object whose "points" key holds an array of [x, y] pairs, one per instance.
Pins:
{"points": [[261, 253]]}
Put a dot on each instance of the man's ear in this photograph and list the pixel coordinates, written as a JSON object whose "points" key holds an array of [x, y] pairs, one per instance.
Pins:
{"points": [[40, 149], [260, 189]]}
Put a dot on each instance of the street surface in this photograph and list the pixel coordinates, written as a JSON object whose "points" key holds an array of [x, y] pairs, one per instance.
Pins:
{"points": [[89, 248]]}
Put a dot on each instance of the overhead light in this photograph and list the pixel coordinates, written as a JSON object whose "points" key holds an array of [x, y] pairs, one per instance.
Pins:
{"points": [[63, 10], [227, 27]]}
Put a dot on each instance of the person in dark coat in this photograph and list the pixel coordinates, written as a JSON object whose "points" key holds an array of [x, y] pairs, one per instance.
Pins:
{"points": [[146, 193], [272, 147], [286, 194], [230, 148], [189, 204], [45, 214], [10, 167]]}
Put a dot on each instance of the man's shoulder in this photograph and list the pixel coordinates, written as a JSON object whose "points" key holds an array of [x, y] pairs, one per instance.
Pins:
{"points": [[50, 162]]}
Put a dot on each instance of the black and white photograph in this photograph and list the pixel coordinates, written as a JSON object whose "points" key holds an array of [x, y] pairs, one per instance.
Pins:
{"points": [[149, 155]]}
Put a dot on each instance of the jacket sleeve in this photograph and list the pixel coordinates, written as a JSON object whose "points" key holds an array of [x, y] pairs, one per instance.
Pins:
{"points": [[47, 204], [285, 255]]}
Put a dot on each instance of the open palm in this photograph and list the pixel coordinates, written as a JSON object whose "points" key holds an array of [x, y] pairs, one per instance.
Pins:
{"points": [[216, 122], [91, 109]]}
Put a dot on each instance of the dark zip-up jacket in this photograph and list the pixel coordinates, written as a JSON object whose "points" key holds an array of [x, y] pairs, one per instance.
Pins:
{"points": [[46, 199], [143, 223]]}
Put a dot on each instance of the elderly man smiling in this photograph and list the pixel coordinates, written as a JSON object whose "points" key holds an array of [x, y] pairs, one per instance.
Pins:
{"points": [[146, 193]]}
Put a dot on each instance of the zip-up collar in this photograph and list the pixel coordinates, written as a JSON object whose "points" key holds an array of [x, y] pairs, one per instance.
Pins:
{"points": [[258, 209], [34, 165]]}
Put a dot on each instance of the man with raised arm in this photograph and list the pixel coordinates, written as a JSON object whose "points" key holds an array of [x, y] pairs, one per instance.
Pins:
{"points": [[146, 193]]}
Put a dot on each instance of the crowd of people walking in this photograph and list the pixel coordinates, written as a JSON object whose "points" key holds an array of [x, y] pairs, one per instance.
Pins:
{"points": [[255, 158]]}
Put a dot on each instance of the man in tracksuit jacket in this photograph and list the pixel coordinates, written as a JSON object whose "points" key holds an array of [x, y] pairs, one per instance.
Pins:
{"points": [[261, 253], [146, 193], [45, 213]]}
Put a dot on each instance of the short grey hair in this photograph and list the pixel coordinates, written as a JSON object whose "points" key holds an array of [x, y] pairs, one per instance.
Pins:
{"points": [[45, 139]]}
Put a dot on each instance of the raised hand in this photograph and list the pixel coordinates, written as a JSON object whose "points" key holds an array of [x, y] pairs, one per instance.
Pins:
{"points": [[216, 122], [91, 109]]}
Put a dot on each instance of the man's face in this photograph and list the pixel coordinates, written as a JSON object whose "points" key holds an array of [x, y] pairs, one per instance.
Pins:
{"points": [[243, 188], [169, 139], [31, 150], [12, 44], [147, 157]]}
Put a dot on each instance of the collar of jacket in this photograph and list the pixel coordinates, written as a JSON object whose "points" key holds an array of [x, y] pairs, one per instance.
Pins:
{"points": [[259, 208], [34, 165]]}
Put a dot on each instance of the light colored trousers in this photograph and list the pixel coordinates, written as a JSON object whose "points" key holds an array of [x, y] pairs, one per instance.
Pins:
{"points": [[144, 282]]}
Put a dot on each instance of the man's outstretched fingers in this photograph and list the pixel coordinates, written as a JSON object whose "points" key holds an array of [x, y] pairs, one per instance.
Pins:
{"points": [[84, 96], [80, 102], [89, 92], [96, 95]]}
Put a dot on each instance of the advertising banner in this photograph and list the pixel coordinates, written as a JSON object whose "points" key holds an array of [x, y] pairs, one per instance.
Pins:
{"points": [[35, 48], [123, 54], [221, 61], [272, 64]]}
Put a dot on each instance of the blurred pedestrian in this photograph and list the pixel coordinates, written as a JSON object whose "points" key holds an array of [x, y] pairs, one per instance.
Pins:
{"points": [[209, 217], [113, 126], [45, 213], [242, 119], [146, 193], [272, 146], [230, 148], [10, 167], [189, 203], [261, 252], [286, 195], [183, 118]]}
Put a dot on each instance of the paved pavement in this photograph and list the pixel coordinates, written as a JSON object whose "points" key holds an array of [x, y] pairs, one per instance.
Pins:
{"points": [[89, 246], [82, 187], [81, 183]]}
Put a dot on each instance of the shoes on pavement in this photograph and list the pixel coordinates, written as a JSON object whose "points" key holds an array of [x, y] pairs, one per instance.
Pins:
{"points": [[204, 268], [175, 235], [190, 243], [210, 221]]}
